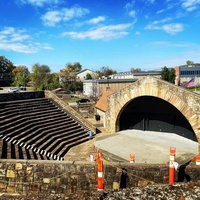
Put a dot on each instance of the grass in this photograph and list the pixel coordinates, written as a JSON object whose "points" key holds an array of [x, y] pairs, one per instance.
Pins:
{"points": [[72, 100]]}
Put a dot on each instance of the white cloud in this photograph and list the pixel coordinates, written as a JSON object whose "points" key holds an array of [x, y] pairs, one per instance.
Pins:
{"points": [[39, 3], [190, 5], [96, 20], [51, 18], [101, 33], [19, 41], [132, 13], [129, 7], [171, 28]]}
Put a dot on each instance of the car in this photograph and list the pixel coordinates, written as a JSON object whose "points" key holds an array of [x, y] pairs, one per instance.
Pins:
{"points": [[83, 101], [13, 90]]}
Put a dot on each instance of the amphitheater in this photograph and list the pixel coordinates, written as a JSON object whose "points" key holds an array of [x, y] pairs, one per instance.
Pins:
{"points": [[40, 126], [45, 144]]}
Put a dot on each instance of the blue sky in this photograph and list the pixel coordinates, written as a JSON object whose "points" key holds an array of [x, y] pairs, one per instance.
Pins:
{"points": [[119, 34]]}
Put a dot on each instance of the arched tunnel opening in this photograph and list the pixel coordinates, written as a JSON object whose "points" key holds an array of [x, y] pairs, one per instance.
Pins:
{"points": [[148, 113]]}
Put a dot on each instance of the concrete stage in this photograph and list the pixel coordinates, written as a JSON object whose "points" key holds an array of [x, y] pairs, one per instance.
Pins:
{"points": [[147, 146]]}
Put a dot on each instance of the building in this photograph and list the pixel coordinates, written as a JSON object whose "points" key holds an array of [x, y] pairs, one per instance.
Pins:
{"points": [[95, 88], [185, 74], [102, 105], [81, 76]]}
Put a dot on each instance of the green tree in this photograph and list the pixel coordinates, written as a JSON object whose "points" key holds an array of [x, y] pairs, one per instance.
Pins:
{"points": [[20, 76], [172, 75], [88, 76], [168, 75], [6, 66], [165, 74], [40, 76], [53, 81], [190, 63]]}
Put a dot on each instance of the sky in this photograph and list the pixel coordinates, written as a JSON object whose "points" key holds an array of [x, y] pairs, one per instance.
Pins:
{"points": [[119, 34]]}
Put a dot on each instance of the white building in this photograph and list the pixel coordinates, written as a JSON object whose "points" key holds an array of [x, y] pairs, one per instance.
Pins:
{"points": [[81, 76]]}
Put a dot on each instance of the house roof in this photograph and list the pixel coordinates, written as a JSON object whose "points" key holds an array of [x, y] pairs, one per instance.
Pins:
{"points": [[102, 104], [83, 71], [61, 90]]}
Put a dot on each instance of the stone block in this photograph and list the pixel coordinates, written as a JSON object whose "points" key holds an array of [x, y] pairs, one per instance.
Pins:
{"points": [[115, 186], [10, 189], [10, 174], [29, 170], [18, 166], [46, 180], [29, 179], [2, 172], [35, 187], [143, 183], [3, 185]]}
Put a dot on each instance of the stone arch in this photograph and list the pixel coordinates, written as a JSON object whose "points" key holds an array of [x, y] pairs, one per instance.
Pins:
{"points": [[183, 100]]}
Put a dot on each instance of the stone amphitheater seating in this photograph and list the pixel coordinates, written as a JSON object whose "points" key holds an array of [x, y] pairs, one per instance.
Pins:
{"points": [[38, 129]]}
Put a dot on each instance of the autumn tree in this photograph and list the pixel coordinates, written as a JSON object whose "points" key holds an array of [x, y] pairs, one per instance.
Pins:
{"points": [[20, 76], [68, 76], [105, 71]]}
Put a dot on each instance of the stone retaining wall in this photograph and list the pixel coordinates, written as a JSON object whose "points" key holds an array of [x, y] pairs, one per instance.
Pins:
{"points": [[49, 94], [20, 96], [77, 178]]}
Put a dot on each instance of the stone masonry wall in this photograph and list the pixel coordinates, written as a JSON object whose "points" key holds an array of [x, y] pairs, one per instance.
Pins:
{"points": [[77, 178], [185, 101], [49, 94]]}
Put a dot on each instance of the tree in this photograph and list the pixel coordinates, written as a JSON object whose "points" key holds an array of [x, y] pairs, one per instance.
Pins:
{"points": [[75, 67], [135, 70], [168, 75], [105, 71], [68, 76], [53, 81], [165, 74], [172, 75], [6, 66], [40, 76], [20, 76], [190, 63], [88, 77]]}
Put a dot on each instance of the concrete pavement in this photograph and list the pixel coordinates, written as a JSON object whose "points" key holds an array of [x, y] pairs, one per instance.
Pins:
{"points": [[147, 146]]}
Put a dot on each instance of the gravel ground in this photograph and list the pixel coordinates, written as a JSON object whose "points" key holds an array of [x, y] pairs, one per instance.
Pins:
{"points": [[178, 191]]}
